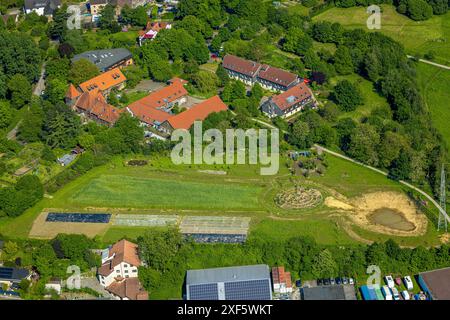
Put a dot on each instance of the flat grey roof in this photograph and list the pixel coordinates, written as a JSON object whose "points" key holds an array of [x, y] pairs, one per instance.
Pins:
{"points": [[105, 58], [228, 274], [332, 292], [438, 282]]}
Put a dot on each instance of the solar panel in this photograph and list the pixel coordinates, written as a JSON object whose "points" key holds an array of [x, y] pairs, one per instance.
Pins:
{"points": [[216, 238], [78, 217], [6, 273], [203, 292], [248, 290]]}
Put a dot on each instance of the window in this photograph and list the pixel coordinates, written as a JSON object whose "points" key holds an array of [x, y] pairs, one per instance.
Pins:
{"points": [[126, 271], [118, 271], [127, 276], [134, 270], [125, 265]]}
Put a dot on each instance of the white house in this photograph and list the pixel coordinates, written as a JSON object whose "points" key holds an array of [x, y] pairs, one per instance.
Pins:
{"points": [[41, 7]]}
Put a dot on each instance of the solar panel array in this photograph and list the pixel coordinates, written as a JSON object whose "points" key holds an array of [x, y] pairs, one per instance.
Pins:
{"points": [[236, 290], [203, 292], [217, 238], [248, 290], [78, 217], [6, 273]]}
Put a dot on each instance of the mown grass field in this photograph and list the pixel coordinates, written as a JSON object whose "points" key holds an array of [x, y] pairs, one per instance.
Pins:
{"points": [[164, 188], [129, 191], [418, 37], [435, 87]]}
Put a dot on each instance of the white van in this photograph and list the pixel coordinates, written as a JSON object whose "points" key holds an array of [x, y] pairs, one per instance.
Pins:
{"points": [[395, 294], [408, 283], [389, 281], [405, 295], [386, 293]]}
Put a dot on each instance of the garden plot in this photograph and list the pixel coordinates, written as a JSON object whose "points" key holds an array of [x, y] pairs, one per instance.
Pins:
{"points": [[145, 220], [214, 225]]}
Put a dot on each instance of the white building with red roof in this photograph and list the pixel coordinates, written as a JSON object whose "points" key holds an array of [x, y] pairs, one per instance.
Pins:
{"points": [[151, 30], [281, 280], [251, 72], [289, 102]]}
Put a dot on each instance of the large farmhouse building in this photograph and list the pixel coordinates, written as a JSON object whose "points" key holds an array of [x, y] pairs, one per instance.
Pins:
{"points": [[119, 271], [289, 102], [41, 7], [186, 119], [251, 72], [107, 59], [89, 99], [155, 108]]}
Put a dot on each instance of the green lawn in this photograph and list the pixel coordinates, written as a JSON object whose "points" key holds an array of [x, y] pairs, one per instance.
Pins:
{"points": [[353, 180], [372, 99], [128, 191], [435, 86], [418, 37]]}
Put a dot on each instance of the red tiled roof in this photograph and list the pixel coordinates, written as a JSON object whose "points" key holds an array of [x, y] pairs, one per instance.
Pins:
{"points": [[276, 75], [104, 81], [129, 288], [122, 251], [292, 96], [184, 120], [149, 108], [280, 276], [72, 92], [94, 103], [247, 67]]}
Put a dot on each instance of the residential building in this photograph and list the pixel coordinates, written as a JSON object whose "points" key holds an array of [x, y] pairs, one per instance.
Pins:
{"points": [[289, 102], [41, 7], [66, 159], [251, 72], [107, 59], [281, 280], [7, 17], [151, 30], [231, 283], [93, 105], [435, 283], [128, 289], [119, 260], [105, 82], [96, 6], [334, 292], [186, 119], [13, 275], [54, 284], [155, 108]]}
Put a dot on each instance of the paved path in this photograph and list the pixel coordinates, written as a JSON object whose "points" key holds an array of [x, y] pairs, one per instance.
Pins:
{"points": [[40, 85], [431, 199], [12, 134], [431, 62]]}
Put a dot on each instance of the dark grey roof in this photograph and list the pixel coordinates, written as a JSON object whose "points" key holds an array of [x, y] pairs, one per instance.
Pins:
{"points": [[333, 292], [104, 59], [50, 5], [229, 274], [13, 274]]}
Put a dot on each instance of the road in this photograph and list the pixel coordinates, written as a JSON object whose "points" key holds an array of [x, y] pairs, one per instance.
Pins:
{"points": [[431, 62], [426, 195], [40, 85]]}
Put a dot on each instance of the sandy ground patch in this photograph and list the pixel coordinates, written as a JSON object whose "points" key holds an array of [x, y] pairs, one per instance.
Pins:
{"points": [[47, 230], [361, 208], [298, 198]]}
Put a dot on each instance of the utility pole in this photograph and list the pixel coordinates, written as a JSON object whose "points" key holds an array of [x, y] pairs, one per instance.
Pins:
{"points": [[442, 223]]}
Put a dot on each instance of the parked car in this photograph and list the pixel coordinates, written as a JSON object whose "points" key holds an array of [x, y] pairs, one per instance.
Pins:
{"points": [[389, 281], [405, 295], [351, 281], [326, 282], [398, 281], [298, 283], [408, 283], [344, 280], [338, 280], [386, 293], [319, 282], [332, 282], [395, 293]]}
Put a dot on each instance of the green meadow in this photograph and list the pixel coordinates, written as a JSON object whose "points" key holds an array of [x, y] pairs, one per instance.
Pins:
{"points": [[418, 37]]}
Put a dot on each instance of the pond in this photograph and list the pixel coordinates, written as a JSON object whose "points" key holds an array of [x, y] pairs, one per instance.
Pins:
{"points": [[391, 218]]}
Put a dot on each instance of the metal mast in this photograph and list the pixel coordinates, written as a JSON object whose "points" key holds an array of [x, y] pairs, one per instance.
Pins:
{"points": [[442, 223]]}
